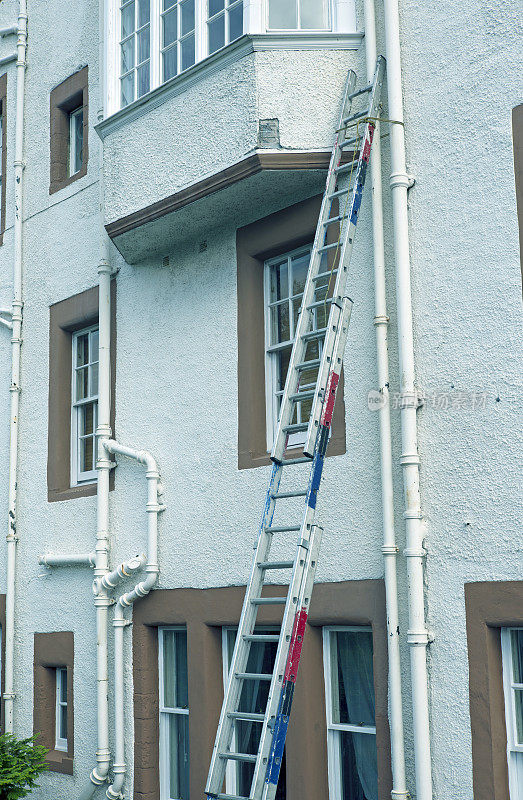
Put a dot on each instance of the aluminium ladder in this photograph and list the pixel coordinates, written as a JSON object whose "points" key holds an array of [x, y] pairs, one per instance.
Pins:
{"points": [[320, 394]]}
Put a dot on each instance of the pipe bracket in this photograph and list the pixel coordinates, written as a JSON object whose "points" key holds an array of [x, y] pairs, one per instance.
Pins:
{"points": [[418, 638], [414, 552]]}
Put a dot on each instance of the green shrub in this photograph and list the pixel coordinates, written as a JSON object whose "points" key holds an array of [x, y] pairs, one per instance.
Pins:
{"points": [[21, 762]]}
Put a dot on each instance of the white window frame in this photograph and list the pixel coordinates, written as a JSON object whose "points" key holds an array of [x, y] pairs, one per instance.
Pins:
{"points": [[342, 19], [72, 140], [334, 728], [164, 712], [271, 374], [79, 477], [514, 749], [299, 29], [60, 679]]}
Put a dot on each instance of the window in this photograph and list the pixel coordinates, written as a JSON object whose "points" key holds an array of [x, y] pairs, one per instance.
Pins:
{"points": [[3, 153], [84, 405], [174, 714], [76, 140], [303, 15], [61, 709], [512, 659], [135, 49], [284, 285], [68, 131], [253, 700], [225, 22], [350, 706]]}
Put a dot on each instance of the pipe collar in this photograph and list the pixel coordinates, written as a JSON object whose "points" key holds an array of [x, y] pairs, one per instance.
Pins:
{"points": [[404, 179]]}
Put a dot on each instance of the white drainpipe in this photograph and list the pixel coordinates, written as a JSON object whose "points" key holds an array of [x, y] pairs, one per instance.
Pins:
{"points": [[389, 549], [417, 636], [154, 507], [73, 560], [16, 340]]}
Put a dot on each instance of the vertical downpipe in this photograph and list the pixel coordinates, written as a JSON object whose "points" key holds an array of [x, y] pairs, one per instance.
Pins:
{"points": [[16, 341], [389, 549], [417, 635]]}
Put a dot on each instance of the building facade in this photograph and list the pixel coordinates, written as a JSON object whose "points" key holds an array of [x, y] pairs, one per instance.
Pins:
{"points": [[175, 154]]}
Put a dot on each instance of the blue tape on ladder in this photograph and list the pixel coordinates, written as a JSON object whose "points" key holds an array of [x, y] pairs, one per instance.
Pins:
{"points": [[357, 203], [314, 485], [280, 733]]}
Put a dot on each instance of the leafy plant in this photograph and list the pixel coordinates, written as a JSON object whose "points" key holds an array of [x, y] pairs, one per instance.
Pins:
{"points": [[21, 762]]}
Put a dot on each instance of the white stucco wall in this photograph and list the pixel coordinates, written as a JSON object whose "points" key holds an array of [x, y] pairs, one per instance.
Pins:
{"points": [[177, 341]]}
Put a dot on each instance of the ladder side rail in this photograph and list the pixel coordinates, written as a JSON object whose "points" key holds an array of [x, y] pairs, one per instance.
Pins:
{"points": [[289, 616], [347, 236], [293, 661], [306, 316], [242, 648]]}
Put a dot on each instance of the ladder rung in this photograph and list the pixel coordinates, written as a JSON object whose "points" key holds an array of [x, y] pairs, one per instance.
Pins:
{"points": [[282, 528], [325, 249], [276, 564], [338, 193], [303, 366], [246, 716], [332, 220], [238, 757], [287, 462], [320, 303], [228, 797], [345, 167], [360, 91], [317, 334], [253, 676], [261, 637], [350, 142], [296, 398], [284, 495], [354, 117], [298, 428], [269, 601]]}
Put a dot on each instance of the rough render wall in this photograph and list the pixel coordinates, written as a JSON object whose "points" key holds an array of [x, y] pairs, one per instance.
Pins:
{"points": [[466, 300]]}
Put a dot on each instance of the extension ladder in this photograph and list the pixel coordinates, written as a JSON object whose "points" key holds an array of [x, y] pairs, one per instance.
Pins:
{"points": [[321, 394]]}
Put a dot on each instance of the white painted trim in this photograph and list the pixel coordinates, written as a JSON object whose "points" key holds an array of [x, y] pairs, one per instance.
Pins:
{"points": [[164, 755], [244, 46], [60, 741], [72, 141], [514, 750]]}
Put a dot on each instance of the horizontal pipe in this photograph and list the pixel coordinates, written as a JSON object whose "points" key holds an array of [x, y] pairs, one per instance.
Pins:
{"points": [[8, 31], [8, 59], [75, 559], [6, 323]]}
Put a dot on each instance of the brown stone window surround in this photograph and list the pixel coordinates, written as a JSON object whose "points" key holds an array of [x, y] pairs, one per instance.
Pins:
{"points": [[255, 243], [204, 612], [66, 97], [65, 318], [490, 606], [53, 650], [3, 145]]}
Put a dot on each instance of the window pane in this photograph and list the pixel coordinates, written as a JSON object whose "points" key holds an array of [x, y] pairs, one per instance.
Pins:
{"points": [[518, 702], [359, 766], [86, 419], [144, 38], [82, 350], [279, 281], [144, 12], [216, 34], [94, 380], [168, 3], [516, 638], [127, 89], [215, 6], [283, 14], [127, 20], [63, 722], [352, 678], [236, 23], [86, 454], [313, 14], [187, 17], [78, 146], [179, 756], [188, 52], [170, 27], [82, 376], [300, 265], [175, 669], [170, 63], [280, 328], [94, 345], [127, 51], [143, 79], [63, 685]]}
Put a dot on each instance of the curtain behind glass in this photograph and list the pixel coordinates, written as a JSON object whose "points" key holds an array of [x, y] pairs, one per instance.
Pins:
{"points": [[355, 702]]}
